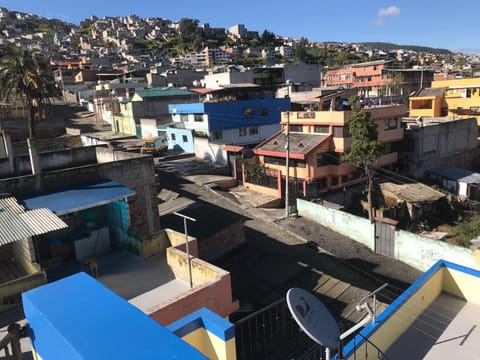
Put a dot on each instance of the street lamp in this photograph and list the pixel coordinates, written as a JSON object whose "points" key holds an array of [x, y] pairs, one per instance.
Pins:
{"points": [[287, 153], [189, 264]]}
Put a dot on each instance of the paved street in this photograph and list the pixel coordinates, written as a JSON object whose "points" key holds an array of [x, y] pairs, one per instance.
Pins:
{"points": [[282, 253]]}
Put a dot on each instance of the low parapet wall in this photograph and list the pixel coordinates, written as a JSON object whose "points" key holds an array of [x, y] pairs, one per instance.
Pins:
{"points": [[211, 288]]}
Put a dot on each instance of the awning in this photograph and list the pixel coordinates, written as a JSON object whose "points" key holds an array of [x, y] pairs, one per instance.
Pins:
{"points": [[17, 224], [77, 198], [233, 148]]}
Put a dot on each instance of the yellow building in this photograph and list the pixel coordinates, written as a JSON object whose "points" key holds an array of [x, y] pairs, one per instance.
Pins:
{"points": [[458, 98]]}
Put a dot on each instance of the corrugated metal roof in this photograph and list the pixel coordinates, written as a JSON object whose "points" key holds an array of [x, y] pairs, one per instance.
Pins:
{"points": [[163, 91], [17, 224]]}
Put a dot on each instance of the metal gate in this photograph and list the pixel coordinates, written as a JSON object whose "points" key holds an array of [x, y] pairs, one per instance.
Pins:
{"points": [[385, 236]]}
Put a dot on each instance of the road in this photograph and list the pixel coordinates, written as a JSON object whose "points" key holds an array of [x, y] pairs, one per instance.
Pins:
{"points": [[284, 253]]}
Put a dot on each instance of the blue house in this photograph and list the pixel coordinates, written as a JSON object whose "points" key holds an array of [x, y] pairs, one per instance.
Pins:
{"points": [[231, 119]]}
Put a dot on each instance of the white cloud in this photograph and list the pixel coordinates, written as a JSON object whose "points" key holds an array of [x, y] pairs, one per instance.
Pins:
{"points": [[391, 10], [383, 12]]}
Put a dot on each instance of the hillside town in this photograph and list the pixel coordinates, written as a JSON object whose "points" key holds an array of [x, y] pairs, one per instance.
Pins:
{"points": [[213, 193]]}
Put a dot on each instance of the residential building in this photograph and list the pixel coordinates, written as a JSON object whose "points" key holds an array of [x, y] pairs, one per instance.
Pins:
{"points": [[150, 103], [316, 142], [180, 138], [430, 142], [435, 318], [103, 205], [231, 76], [464, 183], [372, 79], [299, 74], [238, 31], [19, 266], [458, 98], [241, 115]]}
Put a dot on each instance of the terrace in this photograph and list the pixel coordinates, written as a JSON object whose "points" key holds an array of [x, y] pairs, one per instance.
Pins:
{"points": [[436, 318]]}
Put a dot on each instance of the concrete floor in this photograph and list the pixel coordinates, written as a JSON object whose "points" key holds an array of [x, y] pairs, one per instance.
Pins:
{"points": [[447, 329]]}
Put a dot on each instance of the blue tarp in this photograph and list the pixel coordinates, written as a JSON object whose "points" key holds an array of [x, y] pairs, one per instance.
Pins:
{"points": [[76, 198]]}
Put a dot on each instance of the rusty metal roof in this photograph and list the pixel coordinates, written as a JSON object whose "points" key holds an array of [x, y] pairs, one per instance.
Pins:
{"points": [[17, 224]]}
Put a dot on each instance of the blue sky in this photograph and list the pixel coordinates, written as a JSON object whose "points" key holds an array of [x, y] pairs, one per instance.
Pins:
{"points": [[449, 25]]}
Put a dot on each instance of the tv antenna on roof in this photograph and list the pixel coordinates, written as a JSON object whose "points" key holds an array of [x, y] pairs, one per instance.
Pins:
{"points": [[317, 321]]}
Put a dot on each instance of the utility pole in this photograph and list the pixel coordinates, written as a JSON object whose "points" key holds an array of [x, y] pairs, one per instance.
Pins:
{"points": [[287, 155]]}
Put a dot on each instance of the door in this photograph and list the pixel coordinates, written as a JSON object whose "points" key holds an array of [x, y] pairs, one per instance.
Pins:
{"points": [[385, 236]]}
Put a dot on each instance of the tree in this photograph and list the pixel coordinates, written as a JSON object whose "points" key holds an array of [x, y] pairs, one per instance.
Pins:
{"points": [[24, 74], [365, 147]]}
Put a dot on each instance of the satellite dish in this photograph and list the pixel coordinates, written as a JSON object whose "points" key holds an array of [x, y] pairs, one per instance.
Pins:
{"points": [[313, 318]]}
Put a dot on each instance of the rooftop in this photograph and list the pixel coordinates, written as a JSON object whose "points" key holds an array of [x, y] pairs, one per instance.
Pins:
{"points": [[457, 174], [300, 143], [435, 318]]}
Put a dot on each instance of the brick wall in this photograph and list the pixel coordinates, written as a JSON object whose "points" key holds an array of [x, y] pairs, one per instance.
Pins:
{"points": [[135, 172]]}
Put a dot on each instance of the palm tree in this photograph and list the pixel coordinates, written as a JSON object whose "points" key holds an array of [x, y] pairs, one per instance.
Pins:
{"points": [[24, 74]]}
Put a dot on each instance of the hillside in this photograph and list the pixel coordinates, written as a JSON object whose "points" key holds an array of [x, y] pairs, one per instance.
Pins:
{"points": [[388, 46]]}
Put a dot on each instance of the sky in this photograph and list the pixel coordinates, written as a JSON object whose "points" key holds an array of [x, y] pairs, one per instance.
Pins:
{"points": [[433, 23]]}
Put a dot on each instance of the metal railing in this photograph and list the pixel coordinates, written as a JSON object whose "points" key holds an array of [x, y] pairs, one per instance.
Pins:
{"points": [[11, 341], [272, 333]]}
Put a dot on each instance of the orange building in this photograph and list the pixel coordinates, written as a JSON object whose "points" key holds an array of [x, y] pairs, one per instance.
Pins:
{"points": [[317, 140], [367, 77]]}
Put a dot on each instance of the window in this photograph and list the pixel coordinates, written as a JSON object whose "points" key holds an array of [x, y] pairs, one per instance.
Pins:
{"points": [[185, 138], [321, 129], [217, 134], [264, 111], [390, 123], [306, 115], [249, 112], [340, 132], [242, 131], [296, 128], [281, 161], [274, 160], [174, 137], [198, 117], [253, 130], [184, 117], [328, 158]]}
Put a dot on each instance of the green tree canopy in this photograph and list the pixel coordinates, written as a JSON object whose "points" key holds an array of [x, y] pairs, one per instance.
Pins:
{"points": [[365, 145], [24, 74], [365, 148]]}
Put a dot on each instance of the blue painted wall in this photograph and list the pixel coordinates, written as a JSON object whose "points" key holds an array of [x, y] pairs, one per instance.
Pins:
{"points": [[230, 114], [179, 143], [195, 108]]}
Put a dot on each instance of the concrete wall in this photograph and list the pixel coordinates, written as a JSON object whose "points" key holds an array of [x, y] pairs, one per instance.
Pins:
{"points": [[51, 160], [210, 152], [212, 289], [450, 143], [232, 136], [357, 228], [414, 250], [131, 170], [18, 286], [212, 335], [24, 253], [221, 242]]}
